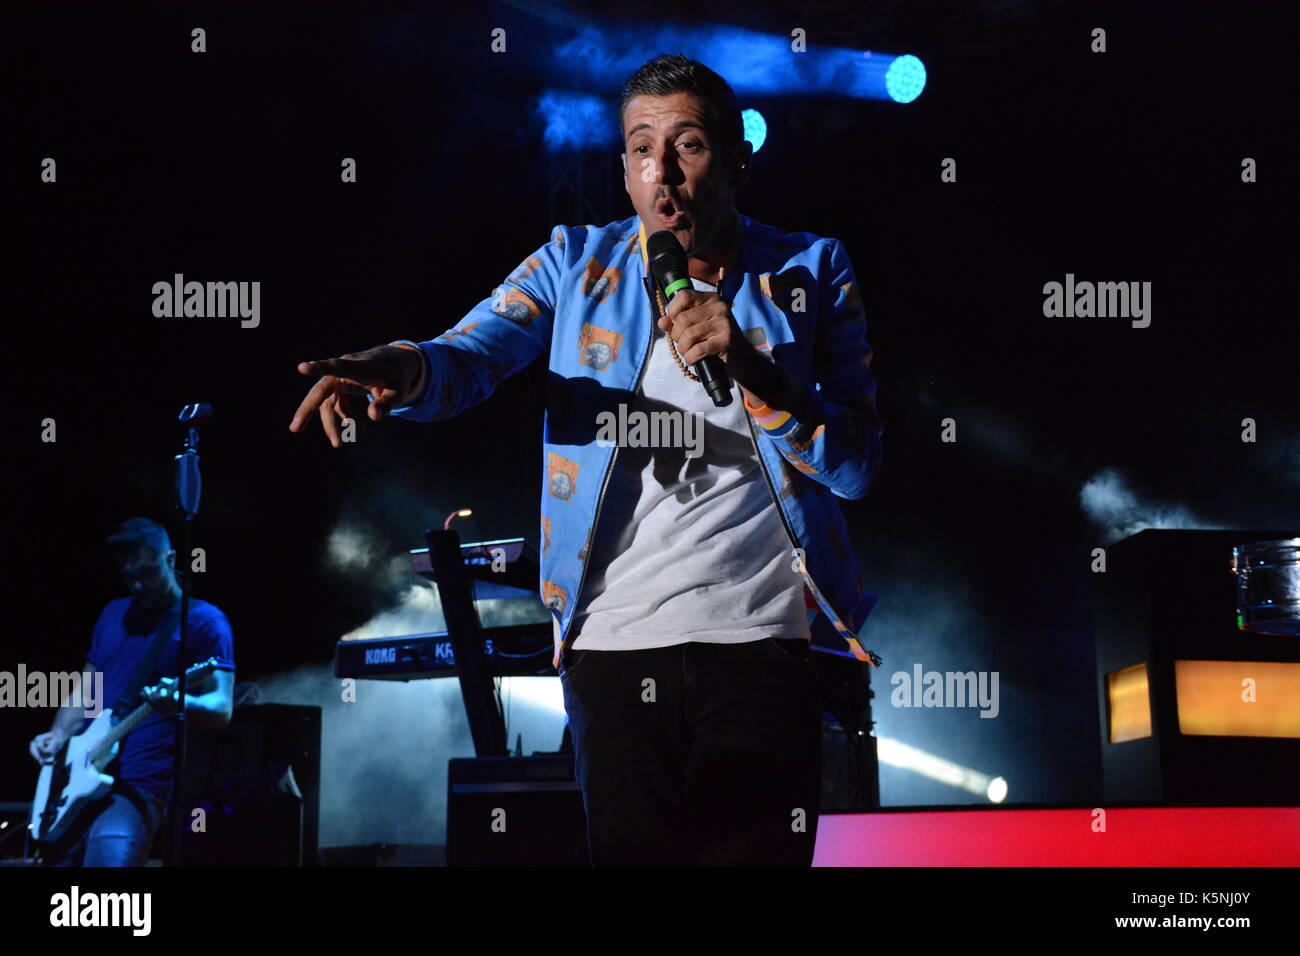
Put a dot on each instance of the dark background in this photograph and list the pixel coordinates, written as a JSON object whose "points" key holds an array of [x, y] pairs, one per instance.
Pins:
{"points": [[1123, 166]]}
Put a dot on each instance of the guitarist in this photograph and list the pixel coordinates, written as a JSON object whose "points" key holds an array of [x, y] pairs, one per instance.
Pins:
{"points": [[119, 829]]}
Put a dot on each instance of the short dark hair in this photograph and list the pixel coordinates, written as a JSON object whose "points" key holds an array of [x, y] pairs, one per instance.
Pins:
{"points": [[673, 73], [140, 531]]}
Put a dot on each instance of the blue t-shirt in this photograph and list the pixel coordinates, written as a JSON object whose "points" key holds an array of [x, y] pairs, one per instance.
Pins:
{"points": [[122, 634]]}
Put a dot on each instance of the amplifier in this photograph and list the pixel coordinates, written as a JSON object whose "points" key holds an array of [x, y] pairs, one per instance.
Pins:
{"points": [[1196, 685], [258, 782], [515, 811]]}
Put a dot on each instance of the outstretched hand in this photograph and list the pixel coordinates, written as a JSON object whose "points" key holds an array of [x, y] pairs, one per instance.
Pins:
{"points": [[384, 377]]}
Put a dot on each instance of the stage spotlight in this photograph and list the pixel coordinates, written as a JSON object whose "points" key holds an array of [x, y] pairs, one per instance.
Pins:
{"points": [[905, 78], [895, 753], [997, 791], [756, 64], [755, 128]]}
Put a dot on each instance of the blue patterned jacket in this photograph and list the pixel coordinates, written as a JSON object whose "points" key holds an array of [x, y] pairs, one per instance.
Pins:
{"points": [[584, 299]]}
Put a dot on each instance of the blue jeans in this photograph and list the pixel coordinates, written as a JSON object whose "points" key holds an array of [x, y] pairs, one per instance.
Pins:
{"points": [[697, 754], [117, 830]]}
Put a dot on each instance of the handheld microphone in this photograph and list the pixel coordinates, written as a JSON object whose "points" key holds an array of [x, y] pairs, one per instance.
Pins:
{"points": [[668, 266]]}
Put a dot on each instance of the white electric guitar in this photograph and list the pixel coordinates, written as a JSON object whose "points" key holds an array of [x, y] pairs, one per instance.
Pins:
{"points": [[76, 778]]}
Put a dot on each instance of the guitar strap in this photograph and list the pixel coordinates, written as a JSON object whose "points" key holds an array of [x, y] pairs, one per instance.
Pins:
{"points": [[162, 633]]}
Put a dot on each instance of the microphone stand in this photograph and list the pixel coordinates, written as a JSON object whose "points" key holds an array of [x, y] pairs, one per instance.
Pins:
{"points": [[189, 487]]}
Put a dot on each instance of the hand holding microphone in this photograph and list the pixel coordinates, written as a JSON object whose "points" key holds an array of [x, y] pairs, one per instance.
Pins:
{"points": [[707, 328]]}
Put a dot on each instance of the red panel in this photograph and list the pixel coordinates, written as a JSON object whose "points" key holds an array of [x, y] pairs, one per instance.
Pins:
{"points": [[1143, 836]]}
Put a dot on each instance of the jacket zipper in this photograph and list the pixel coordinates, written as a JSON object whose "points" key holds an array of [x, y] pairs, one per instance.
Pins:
{"points": [[762, 466], [872, 656], [609, 469]]}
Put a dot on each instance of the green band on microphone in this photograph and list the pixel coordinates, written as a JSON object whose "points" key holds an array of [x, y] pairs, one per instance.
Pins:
{"points": [[676, 287]]}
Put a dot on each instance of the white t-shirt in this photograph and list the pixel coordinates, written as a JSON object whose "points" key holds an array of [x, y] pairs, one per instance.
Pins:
{"points": [[688, 548]]}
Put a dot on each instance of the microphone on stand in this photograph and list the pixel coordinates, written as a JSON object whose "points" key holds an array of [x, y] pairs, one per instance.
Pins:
{"points": [[669, 268], [189, 489], [189, 483]]}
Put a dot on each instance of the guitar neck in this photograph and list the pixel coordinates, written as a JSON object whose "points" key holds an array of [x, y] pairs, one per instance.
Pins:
{"points": [[102, 754]]}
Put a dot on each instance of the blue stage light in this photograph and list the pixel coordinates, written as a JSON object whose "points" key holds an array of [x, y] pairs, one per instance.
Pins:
{"points": [[905, 78], [576, 121], [755, 128], [755, 64]]}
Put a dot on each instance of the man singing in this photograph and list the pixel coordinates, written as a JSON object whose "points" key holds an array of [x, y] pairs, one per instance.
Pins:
{"points": [[682, 585]]}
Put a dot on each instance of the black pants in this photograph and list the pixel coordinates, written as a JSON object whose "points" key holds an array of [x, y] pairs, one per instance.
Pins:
{"points": [[697, 754]]}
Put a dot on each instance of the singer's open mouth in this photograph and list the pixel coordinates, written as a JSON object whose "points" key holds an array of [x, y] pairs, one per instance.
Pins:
{"points": [[669, 212]]}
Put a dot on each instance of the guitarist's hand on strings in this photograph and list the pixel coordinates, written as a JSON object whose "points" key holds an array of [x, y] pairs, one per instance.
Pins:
{"points": [[389, 375], [45, 746]]}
